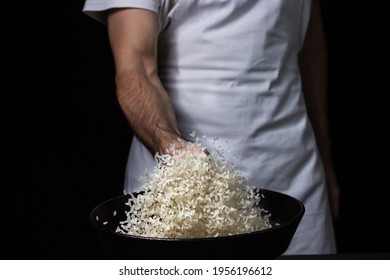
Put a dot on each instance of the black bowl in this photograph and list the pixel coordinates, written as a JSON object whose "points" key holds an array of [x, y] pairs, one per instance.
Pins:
{"points": [[286, 214]]}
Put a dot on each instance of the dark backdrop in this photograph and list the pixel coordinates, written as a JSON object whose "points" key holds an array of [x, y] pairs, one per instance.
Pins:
{"points": [[67, 141]]}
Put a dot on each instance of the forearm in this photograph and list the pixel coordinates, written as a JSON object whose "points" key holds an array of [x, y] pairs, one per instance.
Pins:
{"points": [[143, 99], [147, 108], [313, 63]]}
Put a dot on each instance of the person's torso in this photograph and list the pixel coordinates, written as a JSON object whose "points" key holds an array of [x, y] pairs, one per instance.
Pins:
{"points": [[231, 69]]}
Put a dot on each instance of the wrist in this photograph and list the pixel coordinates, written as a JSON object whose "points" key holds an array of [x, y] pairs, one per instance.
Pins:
{"points": [[165, 142]]}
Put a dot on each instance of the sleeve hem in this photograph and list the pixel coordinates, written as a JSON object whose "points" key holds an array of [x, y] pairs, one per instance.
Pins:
{"points": [[98, 9]]}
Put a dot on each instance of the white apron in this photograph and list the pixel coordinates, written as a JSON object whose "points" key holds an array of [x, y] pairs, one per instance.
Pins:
{"points": [[231, 70]]}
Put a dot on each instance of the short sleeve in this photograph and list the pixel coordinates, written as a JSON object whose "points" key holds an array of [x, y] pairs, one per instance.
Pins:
{"points": [[97, 8], [305, 18]]}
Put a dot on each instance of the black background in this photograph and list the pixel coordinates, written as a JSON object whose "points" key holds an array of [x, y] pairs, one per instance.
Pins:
{"points": [[66, 141]]}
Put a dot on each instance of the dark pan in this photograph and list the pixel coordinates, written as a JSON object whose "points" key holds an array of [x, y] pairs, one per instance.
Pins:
{"points": [[270, 243]]}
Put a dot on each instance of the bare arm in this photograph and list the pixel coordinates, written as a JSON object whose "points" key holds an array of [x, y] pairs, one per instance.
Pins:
{"points": [[143, 99], [313, 63]]}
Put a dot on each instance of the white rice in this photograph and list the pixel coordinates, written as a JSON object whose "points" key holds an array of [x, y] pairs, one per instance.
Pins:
{"points": [[194, 195]]}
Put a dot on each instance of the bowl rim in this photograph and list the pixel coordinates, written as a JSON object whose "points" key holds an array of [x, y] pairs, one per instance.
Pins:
{"points": [[300, 214]]}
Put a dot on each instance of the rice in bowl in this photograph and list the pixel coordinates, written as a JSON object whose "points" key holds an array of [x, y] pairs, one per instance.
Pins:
{"points": [[194, 195]]}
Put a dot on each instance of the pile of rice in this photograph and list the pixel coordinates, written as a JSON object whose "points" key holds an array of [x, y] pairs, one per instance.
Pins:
{"points": [[192, 195]]}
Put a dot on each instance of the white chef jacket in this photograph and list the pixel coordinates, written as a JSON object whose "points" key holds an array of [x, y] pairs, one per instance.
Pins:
{"points": [[232, 72]]}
